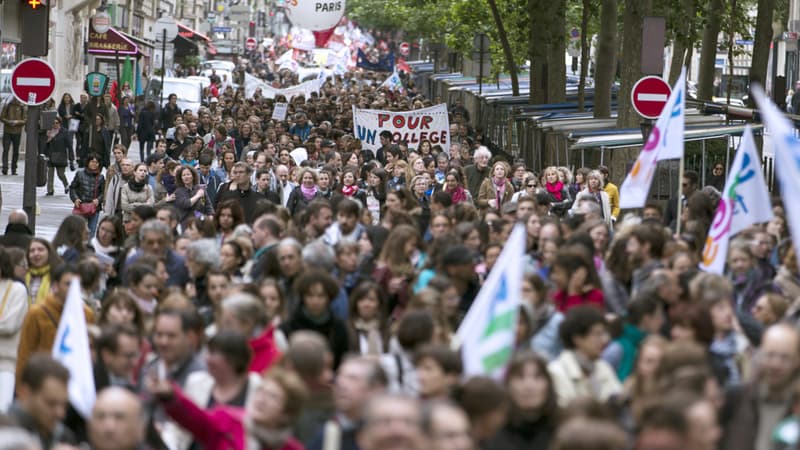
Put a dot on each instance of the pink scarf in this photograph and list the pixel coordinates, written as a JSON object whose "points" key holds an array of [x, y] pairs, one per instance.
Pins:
{"points": [[555, 189], [308, 193], [349, 191], [499, 189], [458, 195]]}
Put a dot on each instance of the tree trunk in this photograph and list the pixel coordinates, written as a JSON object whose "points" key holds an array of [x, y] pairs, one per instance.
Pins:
{"points": [[606, 59], [762, 41], [631, 70], [684, 39], [557, 48], [501, 32], [538, 53], [708, 50], [584, 53], [676, 63]]}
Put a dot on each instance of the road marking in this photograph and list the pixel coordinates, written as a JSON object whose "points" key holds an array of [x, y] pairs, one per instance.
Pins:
{"points": [[31, 81], [652, 97]]}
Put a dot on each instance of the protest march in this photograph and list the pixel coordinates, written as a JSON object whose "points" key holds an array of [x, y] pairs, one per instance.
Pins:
{"points": [[321, 257]]}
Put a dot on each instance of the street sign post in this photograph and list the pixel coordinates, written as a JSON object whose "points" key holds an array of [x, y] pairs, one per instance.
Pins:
{"points": [[250, 44], [649, 96], [166, 30], [33, 81]]}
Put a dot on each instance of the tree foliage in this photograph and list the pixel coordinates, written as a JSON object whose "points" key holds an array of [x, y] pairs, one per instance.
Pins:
{"points": [[450, 22]]}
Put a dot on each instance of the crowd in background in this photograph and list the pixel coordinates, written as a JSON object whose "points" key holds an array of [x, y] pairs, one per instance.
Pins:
{"points": [[242, 296]]}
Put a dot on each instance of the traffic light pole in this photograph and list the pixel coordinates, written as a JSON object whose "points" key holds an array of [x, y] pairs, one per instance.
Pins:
{"points": [[163, 69], [31, 160]]}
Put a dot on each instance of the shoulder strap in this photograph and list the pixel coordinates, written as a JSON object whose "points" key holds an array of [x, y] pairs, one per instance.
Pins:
{"points": [[5, 297], [400, 374], [50, 315]]}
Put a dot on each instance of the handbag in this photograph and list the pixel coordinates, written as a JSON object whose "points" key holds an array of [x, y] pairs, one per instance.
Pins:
{"points": [[88, 209]]}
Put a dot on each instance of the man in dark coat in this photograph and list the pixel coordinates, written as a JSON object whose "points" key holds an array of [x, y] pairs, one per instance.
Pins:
{"points": [[17, 234], [240, 189], [753, 410]]}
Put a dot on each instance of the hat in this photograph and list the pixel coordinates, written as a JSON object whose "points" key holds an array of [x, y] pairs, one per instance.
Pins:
{"points": [[214, 100], [458, 255], [327, 143]]}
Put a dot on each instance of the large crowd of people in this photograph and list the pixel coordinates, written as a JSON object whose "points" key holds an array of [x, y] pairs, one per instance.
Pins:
{"points": [[241, 296]]}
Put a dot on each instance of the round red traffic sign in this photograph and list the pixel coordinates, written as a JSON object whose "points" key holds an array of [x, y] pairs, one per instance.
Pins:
{"points": [[405, 48], [250, 44], [649, 95], [33, 81]]}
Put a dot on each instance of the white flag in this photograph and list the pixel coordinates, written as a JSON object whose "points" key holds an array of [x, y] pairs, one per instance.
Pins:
{"points": [[745, 201], [787, 158], [488, 331], [71, 348], [665, 142], [393, 82]]}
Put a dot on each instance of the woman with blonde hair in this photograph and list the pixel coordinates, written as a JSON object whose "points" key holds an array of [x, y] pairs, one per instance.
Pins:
{"points": [[497, 189], [560, 200], [594, 190]]}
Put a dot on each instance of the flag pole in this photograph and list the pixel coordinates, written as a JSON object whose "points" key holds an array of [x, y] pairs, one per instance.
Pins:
{"points": [[680, 196]]}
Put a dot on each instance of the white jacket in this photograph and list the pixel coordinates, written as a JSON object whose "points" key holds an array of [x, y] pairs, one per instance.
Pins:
{"points": [[605, 204], [12, 313], [571, 383]]}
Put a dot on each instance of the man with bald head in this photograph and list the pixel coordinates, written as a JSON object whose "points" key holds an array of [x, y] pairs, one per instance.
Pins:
{"points": [[18, 233], [392, 422], [117, 421], [753, 410]]}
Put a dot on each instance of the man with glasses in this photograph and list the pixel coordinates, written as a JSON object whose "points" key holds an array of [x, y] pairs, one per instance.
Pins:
{"points": [[754, 410], [689, 184], [241, 189]]}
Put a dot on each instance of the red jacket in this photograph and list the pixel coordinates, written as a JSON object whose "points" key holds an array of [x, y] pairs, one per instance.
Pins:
{"points": [[265, 352], [219, 428], [566, 302]]}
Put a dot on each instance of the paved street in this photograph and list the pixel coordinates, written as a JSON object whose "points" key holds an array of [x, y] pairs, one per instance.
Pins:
{"points": [[52, 210]]}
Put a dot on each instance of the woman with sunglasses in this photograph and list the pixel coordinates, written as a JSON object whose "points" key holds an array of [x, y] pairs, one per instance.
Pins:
{"points": [[530, 186], [717, 177]]}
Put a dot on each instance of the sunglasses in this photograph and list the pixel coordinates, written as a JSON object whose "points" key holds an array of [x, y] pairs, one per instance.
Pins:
{"points": [[531, 185]]}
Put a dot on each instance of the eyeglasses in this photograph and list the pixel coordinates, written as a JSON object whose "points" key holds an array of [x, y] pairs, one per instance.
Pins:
{"points": [[531, 185]]}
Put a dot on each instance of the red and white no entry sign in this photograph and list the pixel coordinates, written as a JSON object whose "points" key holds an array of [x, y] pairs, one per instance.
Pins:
{"points": [[405, 48], [33, 81], [649, 96], [250, 44]]}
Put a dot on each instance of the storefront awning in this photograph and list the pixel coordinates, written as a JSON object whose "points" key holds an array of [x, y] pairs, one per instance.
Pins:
{"points": [[185, 47], [145, 47], [191, 34], [111, 42]]}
